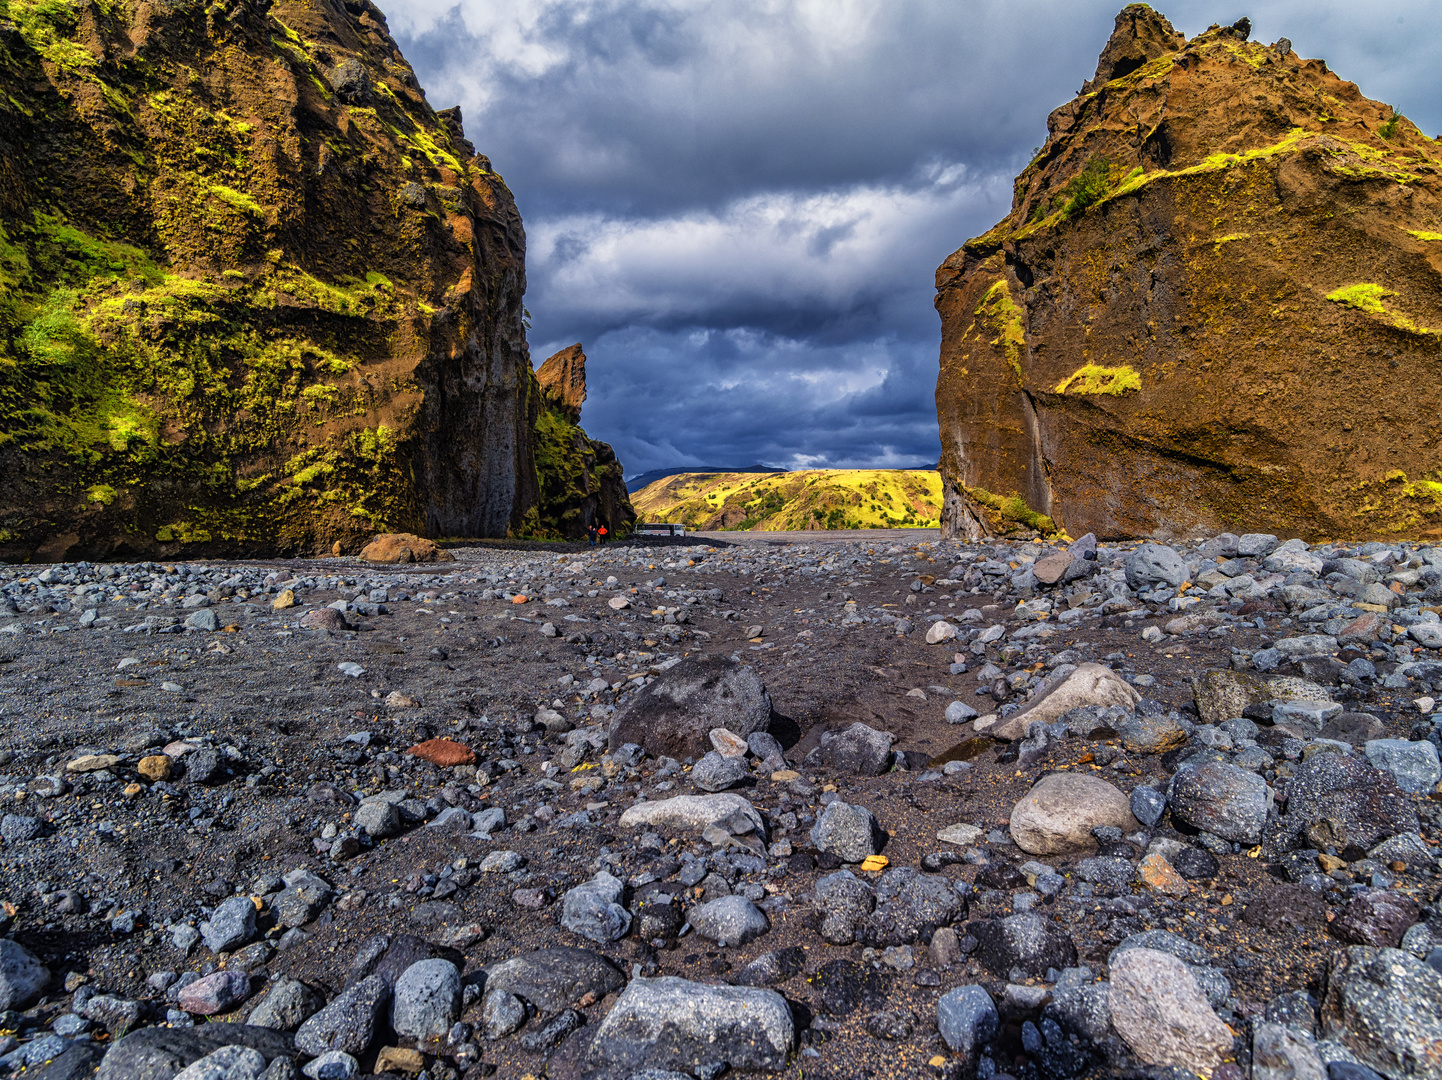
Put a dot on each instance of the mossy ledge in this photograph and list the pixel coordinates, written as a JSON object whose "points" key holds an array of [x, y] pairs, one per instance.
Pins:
{"points": [[256, 295]]}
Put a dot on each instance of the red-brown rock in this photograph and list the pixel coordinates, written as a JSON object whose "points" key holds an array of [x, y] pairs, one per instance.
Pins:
{"points": [[443, 752], [563, 380], [403, 548]]}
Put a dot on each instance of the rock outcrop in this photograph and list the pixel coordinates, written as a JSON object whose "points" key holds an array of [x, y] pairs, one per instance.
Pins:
{"points": [[255, 294], [1214, 304], [581, 481]]}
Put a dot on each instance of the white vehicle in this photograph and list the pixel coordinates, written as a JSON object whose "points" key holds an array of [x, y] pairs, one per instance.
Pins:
{"points": [[660, 528]]}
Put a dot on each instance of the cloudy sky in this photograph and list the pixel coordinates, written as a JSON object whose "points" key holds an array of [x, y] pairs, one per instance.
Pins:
{"points": [[738, 206]]}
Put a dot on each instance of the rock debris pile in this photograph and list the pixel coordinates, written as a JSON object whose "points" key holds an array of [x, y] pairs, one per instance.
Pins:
{"points": [[849, 808]]}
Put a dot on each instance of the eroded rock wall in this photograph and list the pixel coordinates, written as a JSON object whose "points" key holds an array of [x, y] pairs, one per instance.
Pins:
{"points": [[255, 294], [1214, 305]]}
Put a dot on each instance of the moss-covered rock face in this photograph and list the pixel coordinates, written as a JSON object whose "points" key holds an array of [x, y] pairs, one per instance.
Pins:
{"points": [[1215, 304], [580, 479], [255, 294]]}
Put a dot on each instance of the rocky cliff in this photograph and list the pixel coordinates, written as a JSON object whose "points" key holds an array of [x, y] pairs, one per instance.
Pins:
{"points": [[1215, 304], [580, 479], [255, 294]]}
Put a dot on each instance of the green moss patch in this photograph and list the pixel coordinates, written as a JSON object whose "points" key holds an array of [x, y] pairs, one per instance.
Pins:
{"points": [[1094, 379]]}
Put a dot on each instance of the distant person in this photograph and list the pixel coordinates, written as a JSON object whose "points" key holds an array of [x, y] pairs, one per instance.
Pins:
{"points": [[601, 532], [591, 531]]}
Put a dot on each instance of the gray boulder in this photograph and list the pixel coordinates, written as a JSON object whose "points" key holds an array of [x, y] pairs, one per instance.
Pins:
{"points": [[857, 749], [426, 1000], [673, 717], [158, 1053], [349, 1022], [286, 1005], [593, 909], [554, 979], [231, 925], [843, 902], [22, 976], [1338, 800], [1220, 799], [909, 906], [851, 833], [672, 1023], [967, 1019], [1027, 941], [715, 772], [1385, 1006], [1414, 765], [1154, 564], [730, 920], [1282, 1053]]}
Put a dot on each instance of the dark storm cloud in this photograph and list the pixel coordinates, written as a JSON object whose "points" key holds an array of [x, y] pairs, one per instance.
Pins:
{"points": [[738, 205]]}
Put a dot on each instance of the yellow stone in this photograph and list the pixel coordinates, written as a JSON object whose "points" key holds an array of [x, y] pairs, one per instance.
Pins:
{"points": [[399, 1059], [785, 776], [875, 862], [132, 790], [937, 1061], [1378, 609], [284, 599], [155, 767], [1330, 862]]}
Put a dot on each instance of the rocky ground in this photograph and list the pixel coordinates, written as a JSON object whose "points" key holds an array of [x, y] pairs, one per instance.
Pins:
{"points": [[843, 808]]}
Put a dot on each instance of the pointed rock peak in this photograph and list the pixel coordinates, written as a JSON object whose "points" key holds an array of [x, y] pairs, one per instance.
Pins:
{"points": [[563, 380], [1141, 34]]}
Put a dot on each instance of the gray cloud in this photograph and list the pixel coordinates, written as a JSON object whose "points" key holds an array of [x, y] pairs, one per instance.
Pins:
{"points": [[738, 205]]}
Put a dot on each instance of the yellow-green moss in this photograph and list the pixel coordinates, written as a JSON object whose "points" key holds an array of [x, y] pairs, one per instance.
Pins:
{"points": [[1000, 310], [1094, 379], [1012, 508], [1364, 297], [1425, 235], [238, 199]]}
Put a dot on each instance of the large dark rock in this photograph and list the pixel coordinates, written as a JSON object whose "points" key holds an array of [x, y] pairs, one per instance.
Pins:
{"points": [[909, 906], [160, 1053], [1338, 800], [857, 749], [554, 979], [1027, 941], [1377, 917], [675, 714]]}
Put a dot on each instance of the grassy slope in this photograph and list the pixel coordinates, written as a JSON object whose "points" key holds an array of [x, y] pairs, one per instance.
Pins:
{"points": [[817, 498]]}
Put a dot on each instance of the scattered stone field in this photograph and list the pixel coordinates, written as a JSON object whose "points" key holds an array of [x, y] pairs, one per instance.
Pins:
{"points": [[833, 806]]}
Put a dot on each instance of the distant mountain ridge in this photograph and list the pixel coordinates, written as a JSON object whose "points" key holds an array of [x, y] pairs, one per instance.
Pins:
{"points": [[807, 499], [645, 479]]}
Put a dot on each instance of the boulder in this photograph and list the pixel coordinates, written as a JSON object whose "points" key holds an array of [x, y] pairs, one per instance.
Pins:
{"points": [[1414, 765], [348, 1023], [672, 1023], [857, 749], [593, 909], [1385, 1007], [158, 1053], [690, 813], [1223, 695], [22, 976], [1154, 564], [967, 1019], [673, 716], [426, 1000], [729, 920], [554, 979], [851, 833], [1220, 799], [1338, 800], [1158, 1009], [1028, 941], [1058, 814], [403, 548], [1089, 684]]}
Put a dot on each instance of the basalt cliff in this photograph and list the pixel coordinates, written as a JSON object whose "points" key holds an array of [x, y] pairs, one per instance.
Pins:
{"points": [[1215, 304], [582, 482], [256, 295]]}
